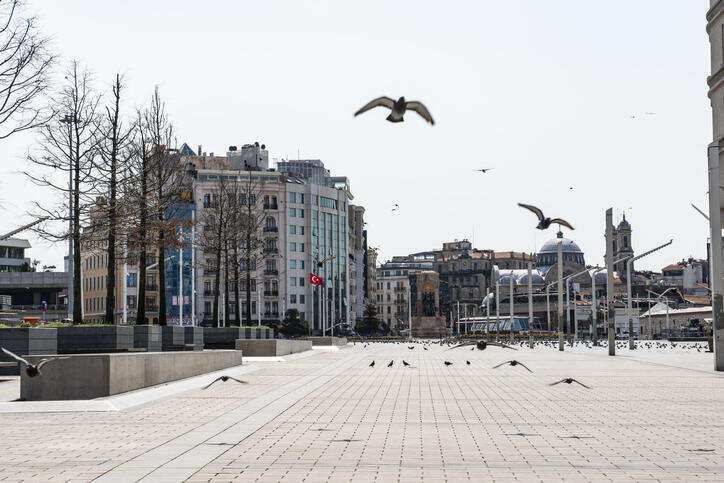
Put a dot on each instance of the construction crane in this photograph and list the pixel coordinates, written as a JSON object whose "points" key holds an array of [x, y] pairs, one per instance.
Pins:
{"points": [[22, 228]]}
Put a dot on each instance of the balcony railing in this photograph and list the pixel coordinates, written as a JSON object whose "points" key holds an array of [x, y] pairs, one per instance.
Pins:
{"points": [[271, 271], [270, 315], [271, 229], [151, 308], [271, 293], [400, 289], [151, 287], [209, 293], [271, 250], [271, 206]]}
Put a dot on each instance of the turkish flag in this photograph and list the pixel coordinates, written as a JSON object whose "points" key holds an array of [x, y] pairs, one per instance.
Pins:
{"points": [[314, 280]]}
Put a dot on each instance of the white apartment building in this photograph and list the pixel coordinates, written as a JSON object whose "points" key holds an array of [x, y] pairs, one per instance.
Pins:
{"points": [[306, 230]]}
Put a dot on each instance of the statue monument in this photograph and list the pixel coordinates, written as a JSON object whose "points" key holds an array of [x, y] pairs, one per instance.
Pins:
{"points": [[426, 318]]}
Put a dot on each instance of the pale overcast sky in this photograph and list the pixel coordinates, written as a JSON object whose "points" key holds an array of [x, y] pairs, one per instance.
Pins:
{"points": [[541, 91]]}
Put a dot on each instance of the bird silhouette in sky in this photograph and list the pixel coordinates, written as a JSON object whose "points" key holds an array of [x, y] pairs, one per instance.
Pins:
{"points": [[483, 170], [543, 221], [397, 108]]}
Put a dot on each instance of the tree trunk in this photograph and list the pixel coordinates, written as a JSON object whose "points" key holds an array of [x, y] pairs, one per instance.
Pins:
{"points": [[142, 250], [77, 302], [161, 279], [227, 304], [237, 313], [217, 278]]}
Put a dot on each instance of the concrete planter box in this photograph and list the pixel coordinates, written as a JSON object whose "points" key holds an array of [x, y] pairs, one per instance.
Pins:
{"points": [[271, 347], [88, 376], [222, 337], [329, 341], [194, 335], [147, 337], [95, 338], [26, 341], [172, 338]]}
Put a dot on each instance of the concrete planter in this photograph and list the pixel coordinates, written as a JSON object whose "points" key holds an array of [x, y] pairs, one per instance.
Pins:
{"points": [[194, 335], [221, 337], [172, 338], [95, 338], [147, 337], [24, 342]]}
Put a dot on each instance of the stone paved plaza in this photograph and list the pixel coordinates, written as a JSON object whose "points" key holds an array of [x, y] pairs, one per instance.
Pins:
{"points": [[330, 417]]}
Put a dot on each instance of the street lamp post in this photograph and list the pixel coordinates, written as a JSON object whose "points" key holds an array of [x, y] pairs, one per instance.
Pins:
{"points": [[497, 303], [666, 301], [530, 304], [512, 306], [561, 344], [631, 343]]}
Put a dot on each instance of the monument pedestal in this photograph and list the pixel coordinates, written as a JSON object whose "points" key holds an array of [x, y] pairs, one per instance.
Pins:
{"points": [[429, 327]]}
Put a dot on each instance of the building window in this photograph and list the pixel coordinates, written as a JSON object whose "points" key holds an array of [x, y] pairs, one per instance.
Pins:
{"points": [[301, 281], [301, 197], [293, 299], [292, 229], [301, 212], [301, 247], [292, 247], [293, 282], [292, 212], [301, 264], [301, 299], [292, 197], [301, 229], [292, 264]]}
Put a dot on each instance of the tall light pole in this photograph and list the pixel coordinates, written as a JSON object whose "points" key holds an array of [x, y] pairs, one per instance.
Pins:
{"points": [[610, 295], [568, 303], [548, 306], [512, 306], [561, 344], [666, 301], [497, 302], [69, 120], [631, 343], [530, 304]]}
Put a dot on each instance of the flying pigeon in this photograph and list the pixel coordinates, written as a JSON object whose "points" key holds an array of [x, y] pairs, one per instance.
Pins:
{"points": [[569, 380], [483, 170], [32, 370], [543, 222], [395, 207], [481, 345], [398, 108], [513, 363], [224, 379]]}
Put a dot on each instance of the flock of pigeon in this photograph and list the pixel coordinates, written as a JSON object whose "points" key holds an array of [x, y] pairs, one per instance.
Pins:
{"points": [[399, 107], [478, 344]]}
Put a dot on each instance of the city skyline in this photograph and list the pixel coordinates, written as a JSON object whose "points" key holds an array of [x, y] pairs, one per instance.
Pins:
{"points": [[488, 95]]}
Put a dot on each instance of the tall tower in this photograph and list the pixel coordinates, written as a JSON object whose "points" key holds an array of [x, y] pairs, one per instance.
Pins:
{"points": [[622, 246]]}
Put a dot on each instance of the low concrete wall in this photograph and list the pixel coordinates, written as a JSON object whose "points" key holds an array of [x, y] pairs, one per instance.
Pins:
{"points": [[95, 338], [88, 376], [173, 338], [194, 335], [26, 341], [225, 337], [338, 341], [272, 347], [147, 337]]}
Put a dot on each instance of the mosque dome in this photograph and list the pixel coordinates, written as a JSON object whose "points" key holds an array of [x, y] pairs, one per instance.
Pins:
{"points": [[548, 254]]}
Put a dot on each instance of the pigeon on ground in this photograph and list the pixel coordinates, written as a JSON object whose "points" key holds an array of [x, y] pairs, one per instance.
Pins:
{"points": [[32, 370], [410, 347], [543, 222], [398, 108], [224, 379], [372, 364], [447, 363], [390, 364], [406, 364], [569, 380], [467, 362], [513, 363]]}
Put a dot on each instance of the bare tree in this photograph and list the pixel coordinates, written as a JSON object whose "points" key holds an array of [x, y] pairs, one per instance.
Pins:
{"points": [[68, 148], [25, 66], [112, 159], [250, 236]]}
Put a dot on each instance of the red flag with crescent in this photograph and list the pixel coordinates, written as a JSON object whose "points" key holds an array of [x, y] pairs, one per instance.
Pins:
{"points": [[314, 280]]}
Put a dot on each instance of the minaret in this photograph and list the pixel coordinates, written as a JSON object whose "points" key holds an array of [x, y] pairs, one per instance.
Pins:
{"points": [[623, 248]]}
